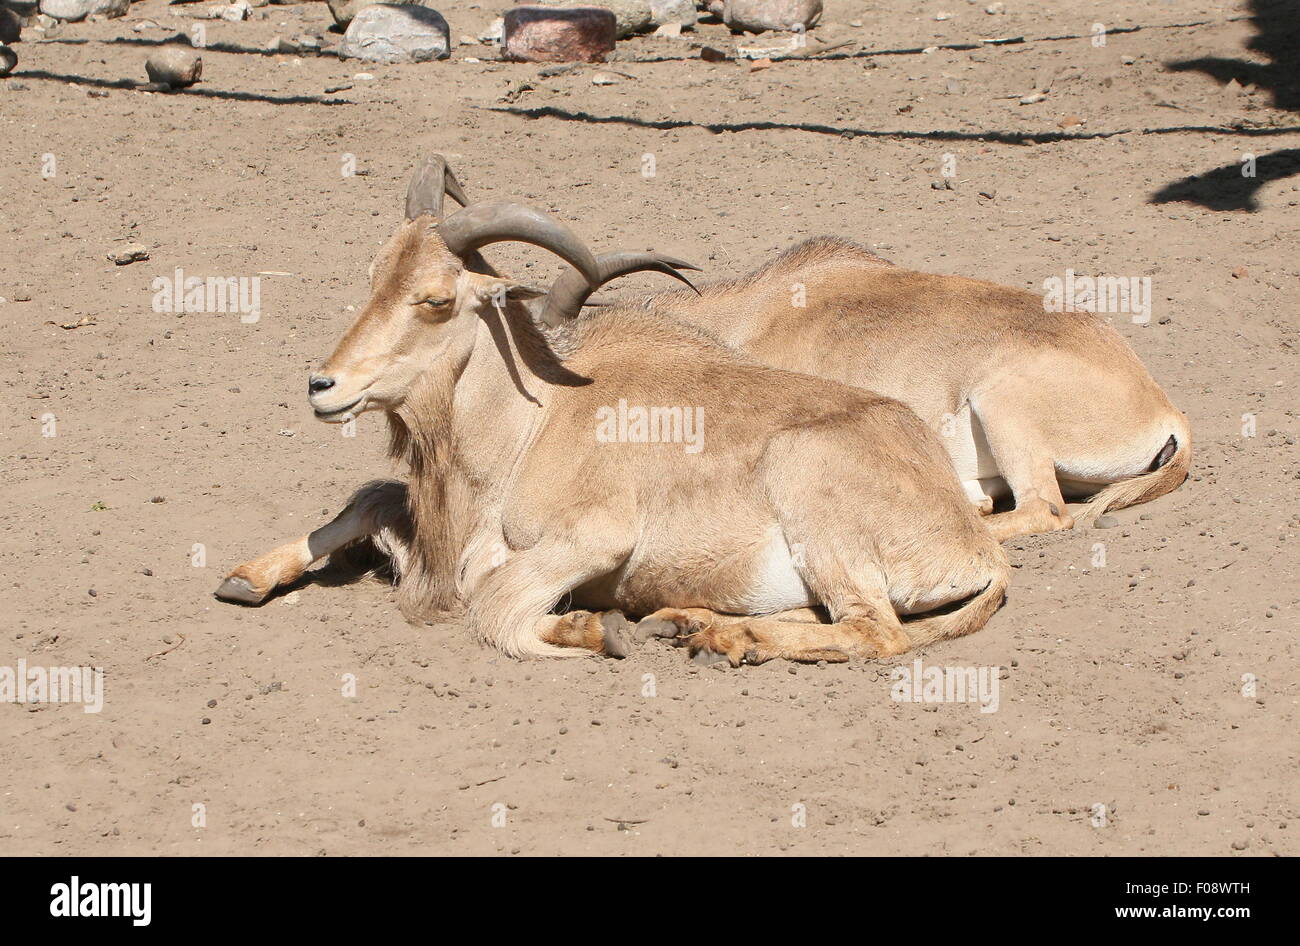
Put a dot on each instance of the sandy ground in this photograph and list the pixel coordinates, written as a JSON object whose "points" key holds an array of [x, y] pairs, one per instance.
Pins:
{"points": [[184, 444]]}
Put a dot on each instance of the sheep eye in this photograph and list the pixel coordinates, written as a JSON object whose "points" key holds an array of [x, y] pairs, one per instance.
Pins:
{"points": [[436, 303]]}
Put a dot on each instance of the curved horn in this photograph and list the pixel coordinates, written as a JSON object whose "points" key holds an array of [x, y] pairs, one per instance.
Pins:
{"points": [[570, 291], [480, 224], [432, 178]]}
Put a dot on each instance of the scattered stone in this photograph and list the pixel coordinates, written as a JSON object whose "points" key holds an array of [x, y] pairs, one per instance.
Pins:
{"points": [[8, 62], [76, 10], [131, 253], [755, 16], [548, 34], [387, 32], [1070, 121], [1033, 98], [709, 54], [11, 26], [1105, 522], [604, 78], [492, 35], [145, 25], [233, 12], [995, 8], [1241, 272], [174, 67], [670, 31]]}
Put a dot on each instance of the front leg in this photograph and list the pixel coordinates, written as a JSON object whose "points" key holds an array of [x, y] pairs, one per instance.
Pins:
{"points": [[377, 510]]}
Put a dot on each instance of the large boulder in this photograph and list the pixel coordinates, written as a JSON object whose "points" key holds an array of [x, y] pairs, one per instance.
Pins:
{"points": [[76, 10], [387, 32], [8, 60], [755, 16], [174, 66], [630, 16], [665, 12], [551, 34], [344, 11], [11, 25]]}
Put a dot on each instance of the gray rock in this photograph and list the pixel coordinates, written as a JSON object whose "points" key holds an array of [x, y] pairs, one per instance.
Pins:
{"points": [[630, 16], [129, 253], [8, 60], [386, 32], [345, 11], [755, 16], [664, 12], [1105, 522], [174, 66], [11, 25], [76, 10]]}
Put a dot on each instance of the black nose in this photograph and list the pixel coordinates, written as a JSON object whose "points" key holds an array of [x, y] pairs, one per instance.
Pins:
{"points": [[316, 384]]}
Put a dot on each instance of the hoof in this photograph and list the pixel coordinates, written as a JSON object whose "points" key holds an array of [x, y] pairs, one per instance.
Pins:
{"points": [[239, 591], [647, 628], [617, 642]]}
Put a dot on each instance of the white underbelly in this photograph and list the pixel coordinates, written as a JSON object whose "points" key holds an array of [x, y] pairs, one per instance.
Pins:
{"points": [[963, 438], [775, 583]]}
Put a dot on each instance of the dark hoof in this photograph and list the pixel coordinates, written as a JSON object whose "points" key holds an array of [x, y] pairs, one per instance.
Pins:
{"points": [[239, 591], [617, 634], [647, 628]]}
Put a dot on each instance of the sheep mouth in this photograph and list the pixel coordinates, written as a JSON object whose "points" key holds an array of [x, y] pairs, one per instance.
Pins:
{"points": [[339, 412]]}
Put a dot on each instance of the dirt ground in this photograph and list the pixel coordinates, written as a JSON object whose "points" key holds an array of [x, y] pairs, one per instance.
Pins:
{"points": [[184, 443]]}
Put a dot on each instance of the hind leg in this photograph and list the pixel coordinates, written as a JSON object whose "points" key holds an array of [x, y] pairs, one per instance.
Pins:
{"points": [[375, 508], [677, 622], [867, 628], [1026, 464]]}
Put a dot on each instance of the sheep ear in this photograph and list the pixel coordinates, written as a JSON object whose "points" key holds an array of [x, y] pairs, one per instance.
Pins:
{"points": [[497, 290]]}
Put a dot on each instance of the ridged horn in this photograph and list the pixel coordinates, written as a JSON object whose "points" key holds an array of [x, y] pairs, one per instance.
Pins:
{"points": [[570, 291], [480, 224], [432, 179]]}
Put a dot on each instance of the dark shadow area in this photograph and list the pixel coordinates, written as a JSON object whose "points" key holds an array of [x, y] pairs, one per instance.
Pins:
{"points": [[1277, 38], [1002, 137], [182, 40], [1225, 188], [130, 85]]}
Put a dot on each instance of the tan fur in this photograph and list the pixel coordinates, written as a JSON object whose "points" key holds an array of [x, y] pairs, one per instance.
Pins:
{"points": [[805, 492], [1025, 400]]}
